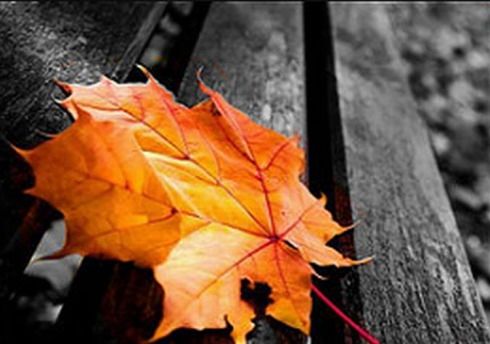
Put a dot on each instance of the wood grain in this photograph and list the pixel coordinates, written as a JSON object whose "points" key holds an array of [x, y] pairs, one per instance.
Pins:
{"points": [[75, 42], [253, 54], [419, 288]]}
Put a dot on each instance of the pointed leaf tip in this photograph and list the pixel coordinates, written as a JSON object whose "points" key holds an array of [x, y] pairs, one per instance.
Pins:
{"points": [[63, 86], [56, 100], [22, 152], [44, 134], [150, 77], [104, 79], [202, 85], [199, 73], [143, 70]]}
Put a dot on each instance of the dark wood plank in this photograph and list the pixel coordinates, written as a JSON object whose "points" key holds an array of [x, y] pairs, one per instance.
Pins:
{"points": [[253, 53], [110, 302], [419, 288], [74, 42]]}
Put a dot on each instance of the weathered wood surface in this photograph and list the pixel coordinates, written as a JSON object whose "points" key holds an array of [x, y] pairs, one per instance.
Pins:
{"points": [[253, 54], [74, 42], [419, 288], [70, 41]]}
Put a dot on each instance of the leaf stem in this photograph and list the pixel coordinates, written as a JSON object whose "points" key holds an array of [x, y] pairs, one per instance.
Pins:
{"points": [[362, 332]]}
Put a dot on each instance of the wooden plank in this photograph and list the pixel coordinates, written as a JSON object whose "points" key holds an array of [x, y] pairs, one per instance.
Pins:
{"points": [[419, 288], [253, 54], [110, 302], [74, 42]]}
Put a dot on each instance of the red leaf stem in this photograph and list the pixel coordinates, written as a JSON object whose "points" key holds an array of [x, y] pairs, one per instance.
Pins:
{"points": [[362, 332]]}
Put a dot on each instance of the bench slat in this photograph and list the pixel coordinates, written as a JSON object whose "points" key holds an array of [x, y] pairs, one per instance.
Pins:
{"points": [[75, 42], [419, 288], [67, 41], [253, 54]]}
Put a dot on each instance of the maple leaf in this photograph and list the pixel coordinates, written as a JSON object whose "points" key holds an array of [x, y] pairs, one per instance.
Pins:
{"points": [[203, 195]]}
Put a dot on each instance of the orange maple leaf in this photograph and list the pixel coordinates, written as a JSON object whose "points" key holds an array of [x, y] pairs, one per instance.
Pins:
{"points": [[203, 195]]}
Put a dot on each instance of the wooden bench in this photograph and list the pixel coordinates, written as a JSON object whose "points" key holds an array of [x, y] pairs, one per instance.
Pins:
{"points": [[331, 73]]}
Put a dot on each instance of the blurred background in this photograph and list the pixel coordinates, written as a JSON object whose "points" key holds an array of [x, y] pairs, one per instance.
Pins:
{"points": [[446, 48]]}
